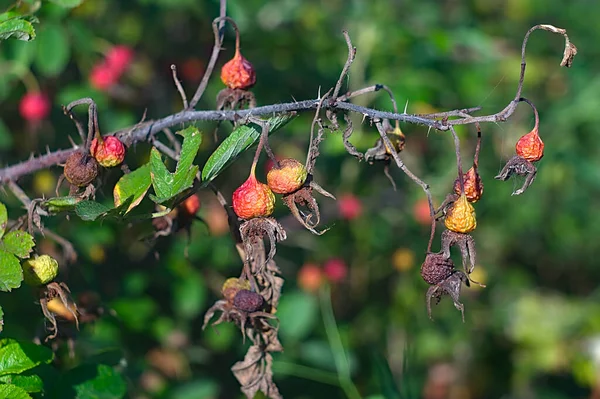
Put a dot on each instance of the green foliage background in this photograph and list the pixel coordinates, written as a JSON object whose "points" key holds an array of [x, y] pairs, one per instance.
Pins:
{"points": [[533, 332]]}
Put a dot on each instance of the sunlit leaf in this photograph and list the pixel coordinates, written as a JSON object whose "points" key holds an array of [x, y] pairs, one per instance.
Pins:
{"points": [[13, 392], [135, 185], [16, 28], [90, 210], [29, 383], [237, 142], [18, 242], [18, 356], [3, 219], [11, 274], [67, 3]]}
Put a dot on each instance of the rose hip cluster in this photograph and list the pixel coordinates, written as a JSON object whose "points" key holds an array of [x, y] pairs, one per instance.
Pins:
{"points": [[109, 71], [438, 269]]}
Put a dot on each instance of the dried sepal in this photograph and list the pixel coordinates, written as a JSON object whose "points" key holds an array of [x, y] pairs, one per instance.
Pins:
{"points": [[304, 198], [521, 167], [255, 230], [61, 292], [231, 99], [255, 373], [466, 244]]}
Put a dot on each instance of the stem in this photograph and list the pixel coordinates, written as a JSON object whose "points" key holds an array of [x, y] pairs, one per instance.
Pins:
{"points": [[337, 347], [535, 112], [477, 147], [308, 373], [351, 55], [458, 160]]}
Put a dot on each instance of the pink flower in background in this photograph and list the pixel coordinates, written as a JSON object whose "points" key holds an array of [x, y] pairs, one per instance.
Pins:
{"points": [[34, 106], [102, 77], [119, 58], [335, 270], [350, 206]]}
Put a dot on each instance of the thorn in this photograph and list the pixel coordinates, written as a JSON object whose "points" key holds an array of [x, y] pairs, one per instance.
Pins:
{"points": [[406, 106], [293, 98], [319, 93], [48, 149], [31, 156], [363, 118], [428, 130]]}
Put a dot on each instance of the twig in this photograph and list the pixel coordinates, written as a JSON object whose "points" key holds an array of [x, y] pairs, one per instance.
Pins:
{"points": [[172, 139], [411, 175], [218, 34], [458, 160], [351, 55], [457, 112], [535, 111], [179, 87], [77, 123], [165, 150], [310, 159], [92, 118]]}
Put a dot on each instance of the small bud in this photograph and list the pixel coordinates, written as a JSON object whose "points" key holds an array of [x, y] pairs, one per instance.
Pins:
{"points": [[190, 206], [34, 107], [238, 73], [310, 277], [119, 58], [335, 270], [102, 77], [289, 177], [248, 301], [530, 146], [231, 286], [461, 216], [397, 138], [40, 270], [109, 153], [80, 169], [253, 199], [473, 185]]}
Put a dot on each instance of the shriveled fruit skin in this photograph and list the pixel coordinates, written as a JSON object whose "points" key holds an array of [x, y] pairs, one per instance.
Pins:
{"points": [[461, 216], [530, 146], [248, 301], [473, 185], [253, 199], [232, 286], [80, 169], [238, 73], [40, 270], [436, 268], [289, 177]]}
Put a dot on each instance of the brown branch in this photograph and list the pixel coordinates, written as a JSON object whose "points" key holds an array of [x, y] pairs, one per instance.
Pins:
{"points": [[351, 55], [179, 87]]}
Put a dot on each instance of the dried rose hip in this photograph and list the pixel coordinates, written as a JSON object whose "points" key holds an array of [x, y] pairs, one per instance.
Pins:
{"points": [[248, 301], [80, 169], [530, 146], [472, 183], [232, 286], [238, 73], [109, 152], [461, 216], [253, 199], [289, 177]]}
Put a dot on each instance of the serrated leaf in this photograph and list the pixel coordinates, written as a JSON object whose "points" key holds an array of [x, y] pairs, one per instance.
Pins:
{"points": [[91, 381], [3, 219], [53, 50], [135, 185], [18, 243], [17, 356], [11, 274], [237, 142], [67, 3], [29, 383], [168, 185], [90, 210], [17, 28], [13, 392]]}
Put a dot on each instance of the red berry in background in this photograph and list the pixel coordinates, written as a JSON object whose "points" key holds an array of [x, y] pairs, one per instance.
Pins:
{"points": [[310, 277], [238, 73], [335, 270], [34, 106], [192, 69], [119, 58], [191, 205], [421, 212], [102, 77], [288, 177], [109, 153], [350, 206], [530, 146], [253, 199]]}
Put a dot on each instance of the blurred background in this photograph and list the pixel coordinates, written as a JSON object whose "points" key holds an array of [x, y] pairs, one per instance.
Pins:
{"points": [[534, 332]]}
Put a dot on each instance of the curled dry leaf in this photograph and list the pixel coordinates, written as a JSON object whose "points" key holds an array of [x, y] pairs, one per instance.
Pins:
{"points": [[255, 373], [521, 167]]}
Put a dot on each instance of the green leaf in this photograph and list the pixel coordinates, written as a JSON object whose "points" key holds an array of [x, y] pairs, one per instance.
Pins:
{"points": [[11, 274], [53, 50], [3, 219], [60, 204], [29, 383], [135, 185], [13, 392], [18, 243], [91, 381], [90, 210], [167, 185], [16, 357], [67, 3], [297, 314], [16, 28], [237, 142]]}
